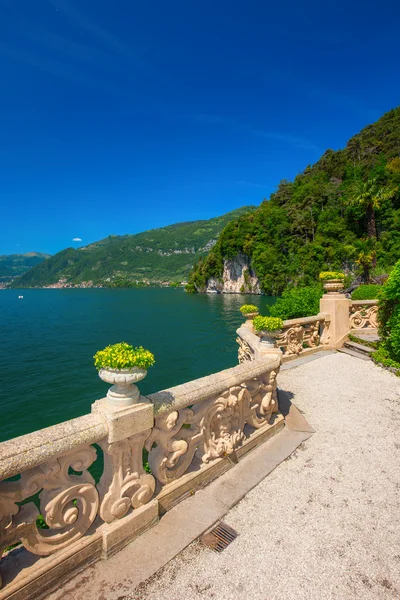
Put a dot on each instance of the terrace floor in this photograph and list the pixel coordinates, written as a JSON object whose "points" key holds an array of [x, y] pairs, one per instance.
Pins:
{"points": [[325, 524]]}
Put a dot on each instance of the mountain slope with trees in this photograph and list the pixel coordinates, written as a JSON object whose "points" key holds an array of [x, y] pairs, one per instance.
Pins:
{"points": [[343, 212], [161, 254], [12, 265]]}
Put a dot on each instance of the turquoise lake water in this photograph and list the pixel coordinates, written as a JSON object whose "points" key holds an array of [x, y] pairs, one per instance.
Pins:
{"points": [[48, 339]]}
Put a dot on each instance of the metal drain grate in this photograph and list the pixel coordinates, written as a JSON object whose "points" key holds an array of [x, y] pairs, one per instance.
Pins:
{"points": [[220, 537]]}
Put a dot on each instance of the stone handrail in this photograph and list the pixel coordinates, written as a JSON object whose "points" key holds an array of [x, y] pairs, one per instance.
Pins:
{"points": [[201, 389], [28, 451], [363, 314], [187, 431]]}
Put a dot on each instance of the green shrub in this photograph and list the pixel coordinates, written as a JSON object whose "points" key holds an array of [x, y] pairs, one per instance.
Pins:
{"points": [[248, 309], [267, 323], [389, 314], [366, 292], [297, 302], [328, 275], [383, 357], [123, 356]]}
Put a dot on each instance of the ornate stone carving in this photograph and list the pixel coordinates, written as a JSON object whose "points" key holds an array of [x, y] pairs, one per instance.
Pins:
{"points": [[124, 483], [326, 332], [68, 503], [299, 336], [245, 353], [363, 316], [211, 429]]}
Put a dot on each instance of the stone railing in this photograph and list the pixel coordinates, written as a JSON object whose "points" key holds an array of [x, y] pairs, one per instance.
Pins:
{"points": [[363, 313], [298, 336], [192, 433]]}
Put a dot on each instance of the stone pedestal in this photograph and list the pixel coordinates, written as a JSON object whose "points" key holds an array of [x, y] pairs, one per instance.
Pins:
{"points": [[338, 307], [126, 421]]}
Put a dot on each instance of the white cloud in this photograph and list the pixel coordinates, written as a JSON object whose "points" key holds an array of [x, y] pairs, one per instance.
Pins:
{"points": [[76, 239]]}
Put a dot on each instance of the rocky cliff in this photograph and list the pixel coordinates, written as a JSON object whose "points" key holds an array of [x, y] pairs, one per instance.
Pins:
{"points": [[238, 278]]}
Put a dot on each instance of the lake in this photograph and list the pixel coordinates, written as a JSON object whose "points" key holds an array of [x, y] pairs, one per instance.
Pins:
{"points": [[49, 337]]}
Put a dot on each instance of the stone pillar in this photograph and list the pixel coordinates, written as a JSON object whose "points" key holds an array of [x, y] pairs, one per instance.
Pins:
{"points": [[124, 484], [338, 307]]}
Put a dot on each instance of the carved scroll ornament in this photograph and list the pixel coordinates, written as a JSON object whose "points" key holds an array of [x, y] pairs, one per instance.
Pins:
{"points": [[211, 429], [124, 483], [245, 353], [68, 504], [297, 337], [363, 316]]}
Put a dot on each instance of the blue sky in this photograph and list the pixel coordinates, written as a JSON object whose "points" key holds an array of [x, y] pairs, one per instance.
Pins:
{"points": [[116, 117]]}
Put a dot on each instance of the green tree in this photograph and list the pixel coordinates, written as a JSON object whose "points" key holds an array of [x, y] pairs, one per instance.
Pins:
{"points": [[369, 195]]}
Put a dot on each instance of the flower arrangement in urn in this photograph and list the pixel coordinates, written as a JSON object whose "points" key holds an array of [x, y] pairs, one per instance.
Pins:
{"points": [[249, 311], [268, 328], [333, 281], [123, 365]]}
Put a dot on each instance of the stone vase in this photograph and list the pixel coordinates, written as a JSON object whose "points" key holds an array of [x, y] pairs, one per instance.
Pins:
{"points": [[333, 286], [268, 338], [123, 392]]}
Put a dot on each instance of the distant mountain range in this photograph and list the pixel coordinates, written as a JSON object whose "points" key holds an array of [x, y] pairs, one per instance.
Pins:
{"points": [[12, 265], [157, 255]]}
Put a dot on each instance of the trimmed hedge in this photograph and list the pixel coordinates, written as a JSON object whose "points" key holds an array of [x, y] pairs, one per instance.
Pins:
{"points": [[366, 292]]}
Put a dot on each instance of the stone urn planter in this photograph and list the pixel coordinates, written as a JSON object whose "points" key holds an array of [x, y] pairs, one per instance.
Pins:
{"points": [[123, 392], [249, 312], [333, 286], [268, 329], [123, 365], [268, 338]]}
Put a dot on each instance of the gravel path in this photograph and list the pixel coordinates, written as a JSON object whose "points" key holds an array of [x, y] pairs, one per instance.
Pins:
{"points": [[326, 523]]}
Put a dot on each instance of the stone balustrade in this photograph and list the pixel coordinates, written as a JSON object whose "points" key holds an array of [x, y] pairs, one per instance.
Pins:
{"points": [[87, 480], [338, 317], [298, 336], [364, 314]]}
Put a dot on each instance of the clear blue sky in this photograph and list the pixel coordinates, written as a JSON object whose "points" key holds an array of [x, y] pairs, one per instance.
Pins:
{"points": [[116, 117]]}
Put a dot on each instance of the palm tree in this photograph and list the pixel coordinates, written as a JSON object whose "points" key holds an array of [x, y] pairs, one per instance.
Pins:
{"points": [[370, 195]]}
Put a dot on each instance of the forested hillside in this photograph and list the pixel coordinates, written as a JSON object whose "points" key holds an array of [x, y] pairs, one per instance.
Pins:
{"points": [[12, 265], [343, 212], [161, 254]]}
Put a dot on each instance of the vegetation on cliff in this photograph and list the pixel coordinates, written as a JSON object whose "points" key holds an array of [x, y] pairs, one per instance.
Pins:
{"points": [[161, 254], [342, 213]]}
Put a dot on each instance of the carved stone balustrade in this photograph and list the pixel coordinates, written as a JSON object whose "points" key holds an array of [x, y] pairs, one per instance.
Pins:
{"points": [[364, 314], [213, 419], [53, 481], [298, 336], [86, 479]]}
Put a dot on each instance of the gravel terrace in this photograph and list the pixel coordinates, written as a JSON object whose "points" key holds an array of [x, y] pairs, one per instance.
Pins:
{"points": [[326, 523]]}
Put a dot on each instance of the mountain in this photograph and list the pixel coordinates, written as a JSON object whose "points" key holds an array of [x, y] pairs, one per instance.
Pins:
{"points": [[343, 212], [12, 265], [161, 254]]}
